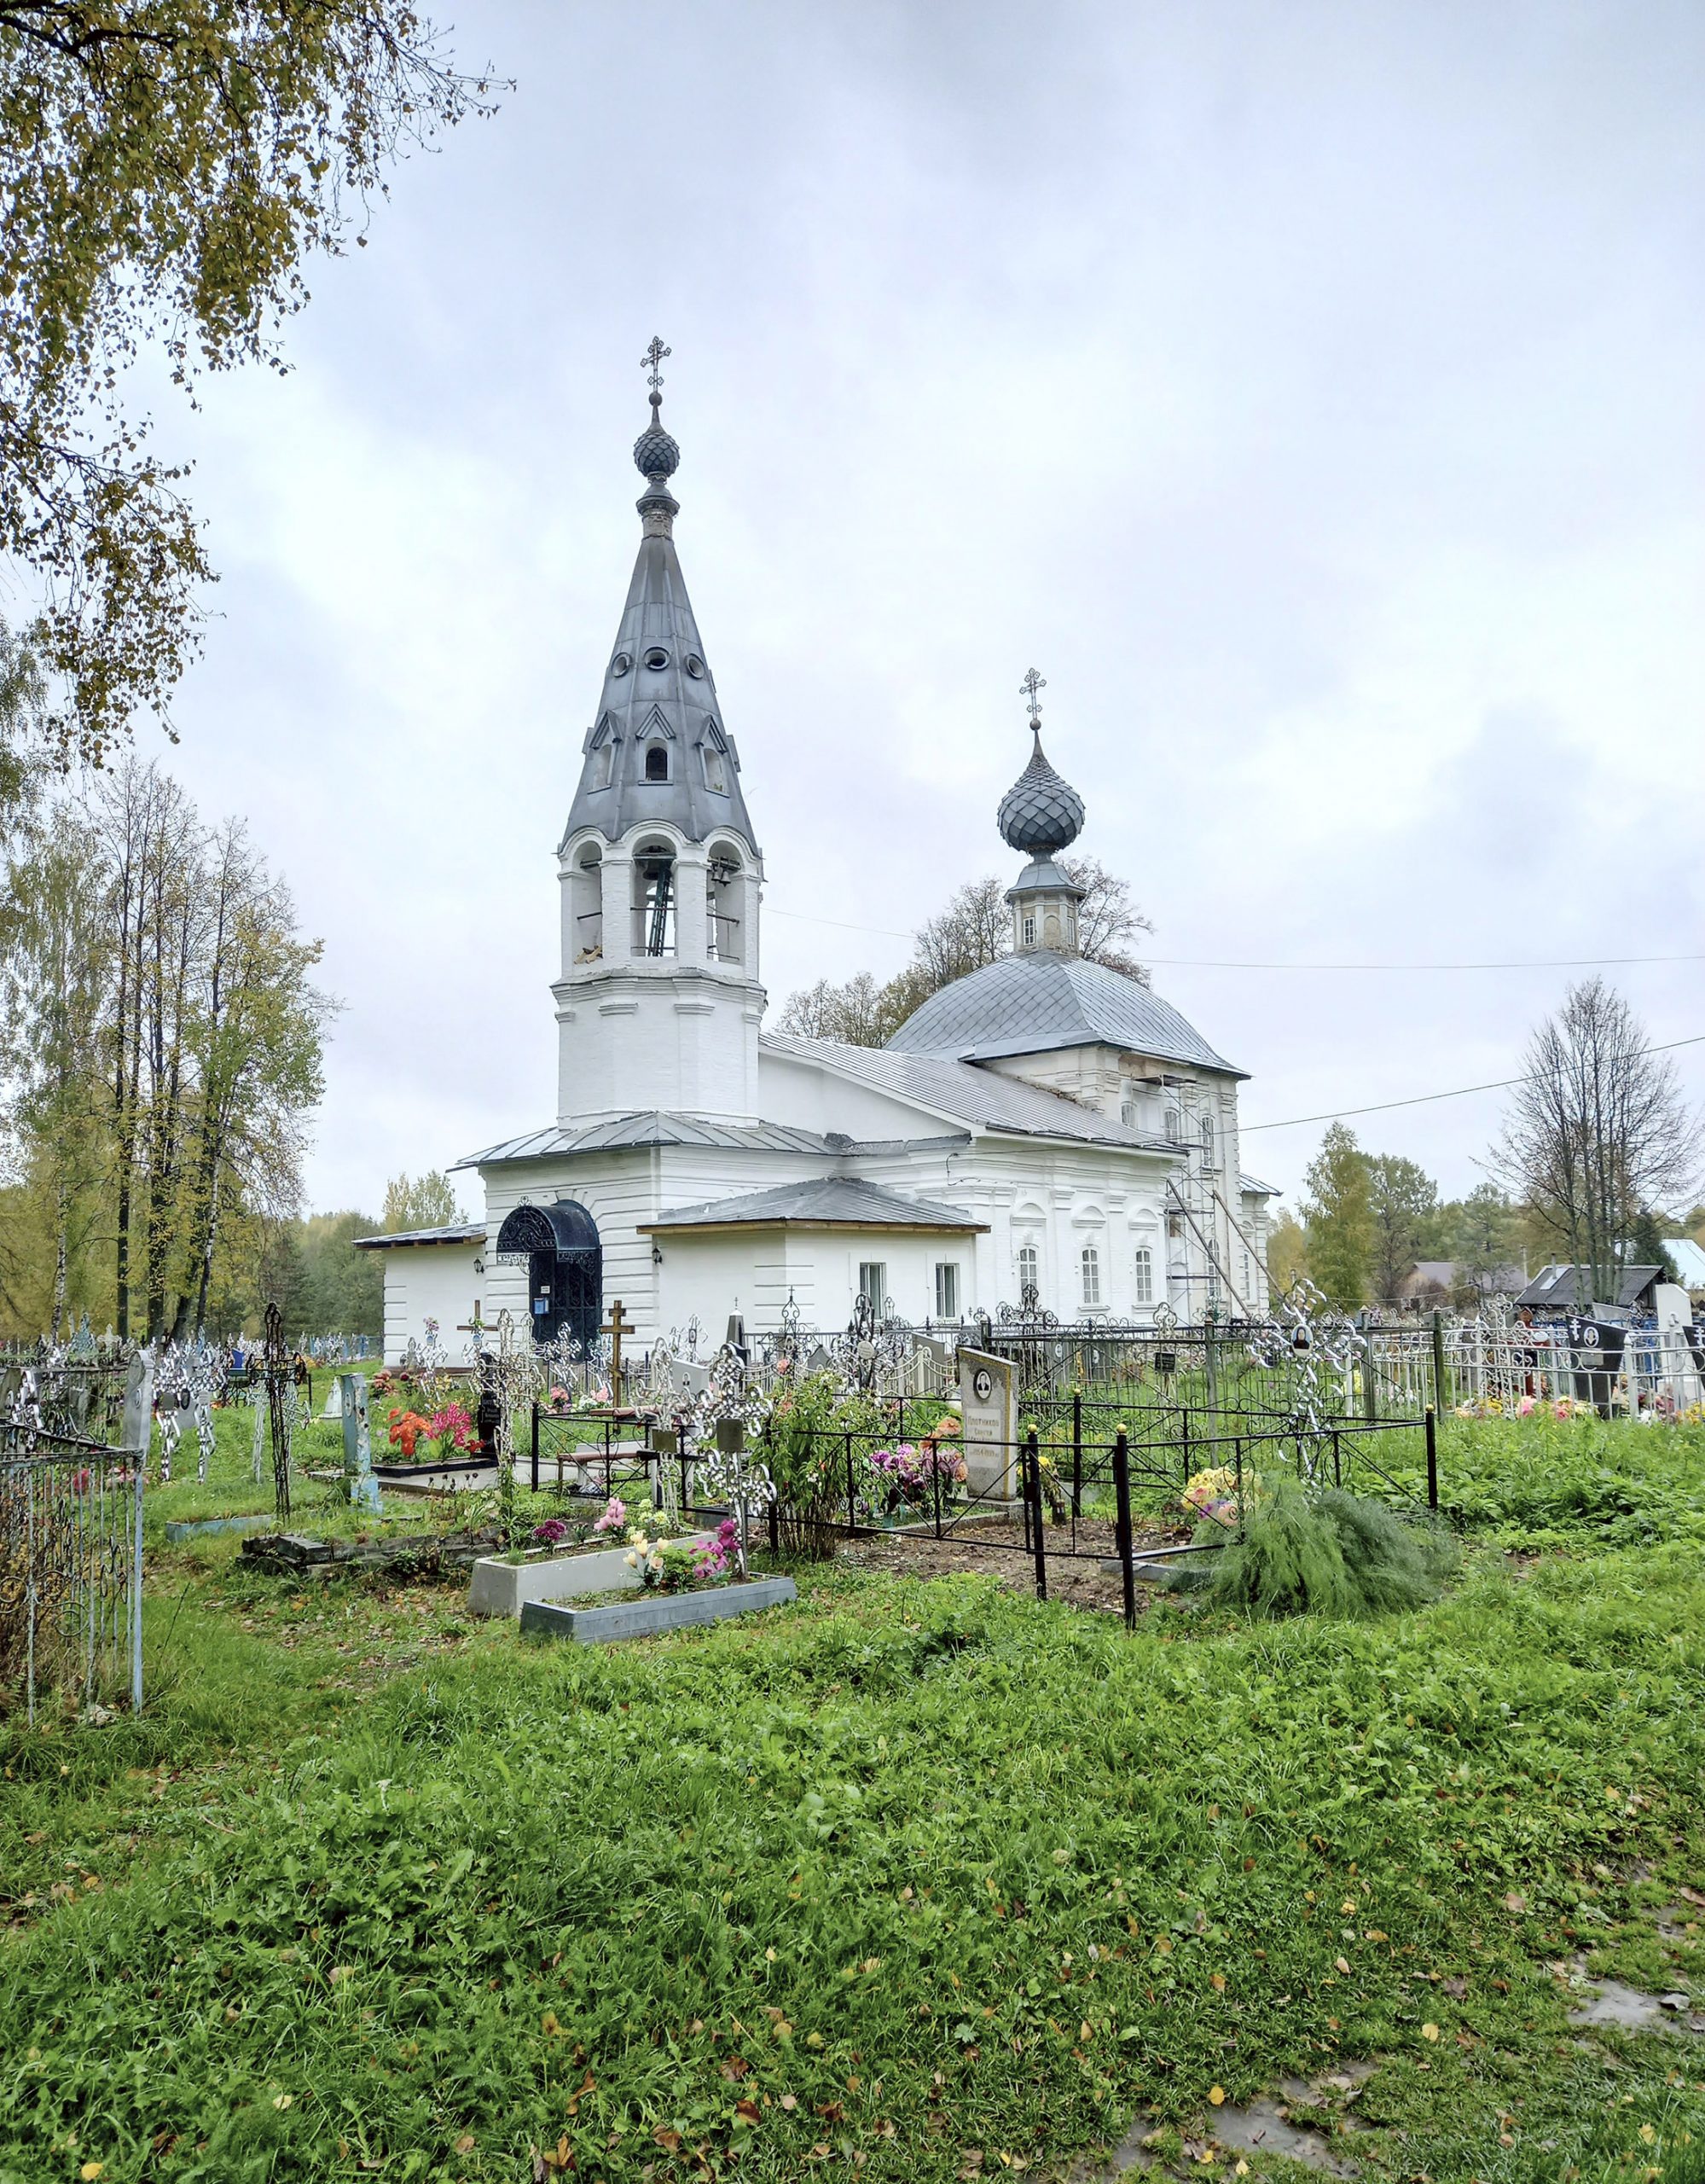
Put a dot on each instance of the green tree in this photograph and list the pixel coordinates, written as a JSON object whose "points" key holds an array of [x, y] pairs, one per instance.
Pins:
{"points": [[425, 1201], [166, 167], [1645, 1244], [1403, 1200], [1337, 1215], [1287, 1252]]}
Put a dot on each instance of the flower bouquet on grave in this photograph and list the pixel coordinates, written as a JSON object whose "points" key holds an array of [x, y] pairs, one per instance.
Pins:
{"points": [[408, 1429], [1213, 1494], [451, 1429]]}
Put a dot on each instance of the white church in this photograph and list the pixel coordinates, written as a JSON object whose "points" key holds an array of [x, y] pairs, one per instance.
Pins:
{"points": [[1045, 1131]]}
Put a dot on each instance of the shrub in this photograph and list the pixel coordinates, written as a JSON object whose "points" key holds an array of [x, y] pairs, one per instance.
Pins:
{"points": [[1335, 1555]]}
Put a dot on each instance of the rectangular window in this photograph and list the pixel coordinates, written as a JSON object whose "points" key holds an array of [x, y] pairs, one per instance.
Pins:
{"points": [[1029, 931], [873, 1283], [1029, 1287], [1091, 1276], [1145, 1287], [947, 1291]]}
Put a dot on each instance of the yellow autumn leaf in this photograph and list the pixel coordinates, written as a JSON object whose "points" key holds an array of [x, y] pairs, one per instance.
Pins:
{"points": [[1343, 1964], [1430, 2031], [91, 2170], [1216, 1980], [1216, 2094], [280, 2099]]}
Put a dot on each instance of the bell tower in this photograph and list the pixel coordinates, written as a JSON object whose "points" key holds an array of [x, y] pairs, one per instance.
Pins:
{"points": [[659, 1000]]}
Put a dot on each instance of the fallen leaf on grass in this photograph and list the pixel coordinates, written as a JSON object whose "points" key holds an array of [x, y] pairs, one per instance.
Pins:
{"points": [[1515, 1900], [465, 2144], [1430, 2030], [1216, 2094], [789, 2100], [668, 2140], [747, 2111], [1343, 1964]]}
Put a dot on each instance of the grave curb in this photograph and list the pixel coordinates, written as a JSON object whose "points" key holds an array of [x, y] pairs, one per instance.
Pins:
{"points": [[495, 1587], [645, 1619]]}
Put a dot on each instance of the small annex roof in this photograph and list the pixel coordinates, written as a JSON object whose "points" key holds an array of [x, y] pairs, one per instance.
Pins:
{"points": [[960, 1091], [831, 1202], [458, 1232], [1038, 1003], [651, 1126], [1253, 1187]]}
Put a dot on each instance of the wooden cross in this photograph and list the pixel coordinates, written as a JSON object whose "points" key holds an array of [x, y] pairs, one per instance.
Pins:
{"points": [[652, 359], [1031, 683], [619, 1325]]}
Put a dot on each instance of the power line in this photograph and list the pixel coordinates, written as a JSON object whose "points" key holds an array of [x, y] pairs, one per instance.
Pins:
{"points": [[1208, 963], [1425, 1098]]}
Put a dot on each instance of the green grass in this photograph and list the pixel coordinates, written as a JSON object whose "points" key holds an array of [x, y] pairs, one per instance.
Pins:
{"points": [[951, 1872]]}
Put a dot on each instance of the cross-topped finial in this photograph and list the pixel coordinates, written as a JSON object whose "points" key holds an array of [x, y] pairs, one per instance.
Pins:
{"points": [[1031, 683], [652, 360]]}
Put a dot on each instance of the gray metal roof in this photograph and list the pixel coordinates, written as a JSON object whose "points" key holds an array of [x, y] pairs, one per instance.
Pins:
{"points": [[673, 704], [1555, 1288], [1035, 1003], [832, 1202], [1255, 1184], [459, 1232], [651, 1126], [978, 1096]]}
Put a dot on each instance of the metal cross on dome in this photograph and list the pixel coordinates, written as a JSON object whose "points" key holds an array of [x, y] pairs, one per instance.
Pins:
{"points": [[652, 359], [1031, 683]]}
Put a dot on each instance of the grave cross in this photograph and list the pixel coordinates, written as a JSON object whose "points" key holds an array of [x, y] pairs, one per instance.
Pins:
{"points": [[619, 1325], [1031, 683]]}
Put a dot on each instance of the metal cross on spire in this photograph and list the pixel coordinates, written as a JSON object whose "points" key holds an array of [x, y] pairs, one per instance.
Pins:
{"points": [[1031, 683], [652, 359]]}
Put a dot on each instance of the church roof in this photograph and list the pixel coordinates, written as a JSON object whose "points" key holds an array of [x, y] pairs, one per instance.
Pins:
{"points": [[967, 1093], [652, 1126], [1035, 1003], [658, 690], [459, 1232], [831, 1202]]}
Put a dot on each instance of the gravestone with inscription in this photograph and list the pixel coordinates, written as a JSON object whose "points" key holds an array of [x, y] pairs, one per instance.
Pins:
{"points": [[989, 1418]]}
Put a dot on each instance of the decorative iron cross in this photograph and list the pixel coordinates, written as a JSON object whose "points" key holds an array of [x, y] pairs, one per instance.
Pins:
{"points": [[1031, 683], [652, 359], [619, 1325]]}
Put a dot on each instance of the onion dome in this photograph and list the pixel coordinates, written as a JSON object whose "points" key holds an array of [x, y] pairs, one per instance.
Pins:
{"points": [[655, 454], [1040, 813]]}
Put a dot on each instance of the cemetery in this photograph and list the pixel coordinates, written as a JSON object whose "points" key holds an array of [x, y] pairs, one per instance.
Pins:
{"points": [[937, 1700]]}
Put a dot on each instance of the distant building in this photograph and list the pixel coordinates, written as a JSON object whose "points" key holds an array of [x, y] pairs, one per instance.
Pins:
{"points": [[1570, 1289], [1432, 1282]]}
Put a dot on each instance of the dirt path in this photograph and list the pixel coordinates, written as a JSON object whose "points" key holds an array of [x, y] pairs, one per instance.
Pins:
{"points": [[996, 1548]]}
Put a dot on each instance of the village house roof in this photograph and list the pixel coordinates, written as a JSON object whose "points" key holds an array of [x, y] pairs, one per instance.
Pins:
{"points": [[1557, 1288], [831, 1202], [1032, 1004]]}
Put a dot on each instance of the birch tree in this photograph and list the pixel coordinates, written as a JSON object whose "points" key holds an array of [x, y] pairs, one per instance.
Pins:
{"points": [[1596, 1130]]}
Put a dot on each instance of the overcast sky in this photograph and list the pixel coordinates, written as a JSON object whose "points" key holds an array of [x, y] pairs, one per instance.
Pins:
{"points": [[1313, 394]]}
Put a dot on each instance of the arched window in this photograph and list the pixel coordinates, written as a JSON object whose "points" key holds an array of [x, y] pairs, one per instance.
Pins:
{"points": [[1172, 1125], [1143, 1291], [1207, 1127], [1092, 1277], [657, 763], [1030, 1288]]}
